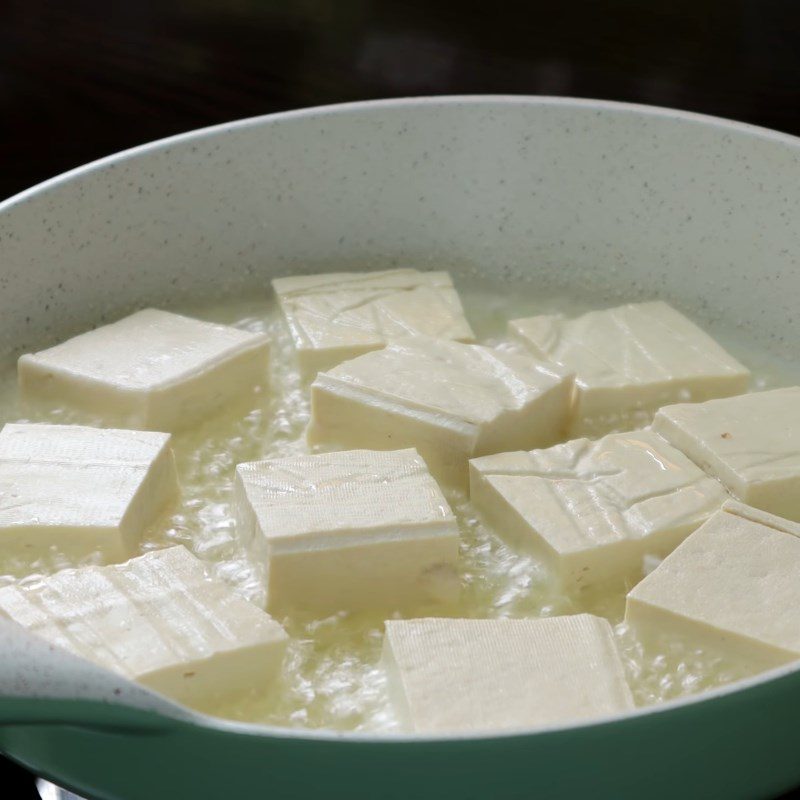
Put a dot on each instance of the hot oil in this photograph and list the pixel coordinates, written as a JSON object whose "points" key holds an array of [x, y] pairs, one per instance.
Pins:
{"points": [[332, 676]]}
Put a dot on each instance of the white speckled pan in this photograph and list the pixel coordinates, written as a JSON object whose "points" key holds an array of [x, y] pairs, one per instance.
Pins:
{"points": [[600, 200]]}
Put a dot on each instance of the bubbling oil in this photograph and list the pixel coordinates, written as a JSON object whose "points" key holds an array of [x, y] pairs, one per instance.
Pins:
{"points": [[332, 676]]}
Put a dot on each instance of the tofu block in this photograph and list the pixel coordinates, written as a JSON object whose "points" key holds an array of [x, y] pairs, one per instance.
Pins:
{"points": [[732, 587], [631, 360], [593, 509], [349, 530], [454, 675], [152, 370], [82, 490], [751, 443], [159, 620], [450, 401], [338, 316]]}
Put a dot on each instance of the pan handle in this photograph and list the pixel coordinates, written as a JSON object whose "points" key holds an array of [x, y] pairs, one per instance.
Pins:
{"points": [[41, 684]]}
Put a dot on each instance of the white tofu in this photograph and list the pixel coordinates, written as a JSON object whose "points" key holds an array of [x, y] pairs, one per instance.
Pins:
{"points": [[629, 361], [453, 675], [592, 510], [349, 530], [159, 620], [751, 443], [338, 316], [81, 490], [152, 370], [450, 401], [733, 587]]}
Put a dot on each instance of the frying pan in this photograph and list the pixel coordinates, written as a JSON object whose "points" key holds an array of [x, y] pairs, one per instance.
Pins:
{"points": [[595, 200]]}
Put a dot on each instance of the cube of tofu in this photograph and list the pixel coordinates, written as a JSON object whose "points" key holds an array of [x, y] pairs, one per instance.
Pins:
{"points": [[338, 316], [631, 360], [450, 401], [81, 490], [152, 370], [454, 675], [159, 620], [349, 530], [732, 587], [751, 443], [593, 509]]}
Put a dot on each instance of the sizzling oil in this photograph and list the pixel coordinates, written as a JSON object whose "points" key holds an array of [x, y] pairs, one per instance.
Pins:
{"points": [[332, 677]]}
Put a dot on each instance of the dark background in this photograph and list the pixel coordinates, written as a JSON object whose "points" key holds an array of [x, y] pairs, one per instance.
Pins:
{"points": [[80, 79]]}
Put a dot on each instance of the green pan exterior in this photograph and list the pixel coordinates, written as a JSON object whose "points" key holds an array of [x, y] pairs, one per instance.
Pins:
{"points": [[738, 745]]}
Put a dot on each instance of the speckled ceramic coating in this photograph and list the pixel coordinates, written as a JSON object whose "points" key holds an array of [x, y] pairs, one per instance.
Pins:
{"points": [[606, 201], [31, 667]]}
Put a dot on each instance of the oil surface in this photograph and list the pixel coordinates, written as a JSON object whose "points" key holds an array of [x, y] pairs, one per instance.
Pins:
{"points": [[332, 676]]}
